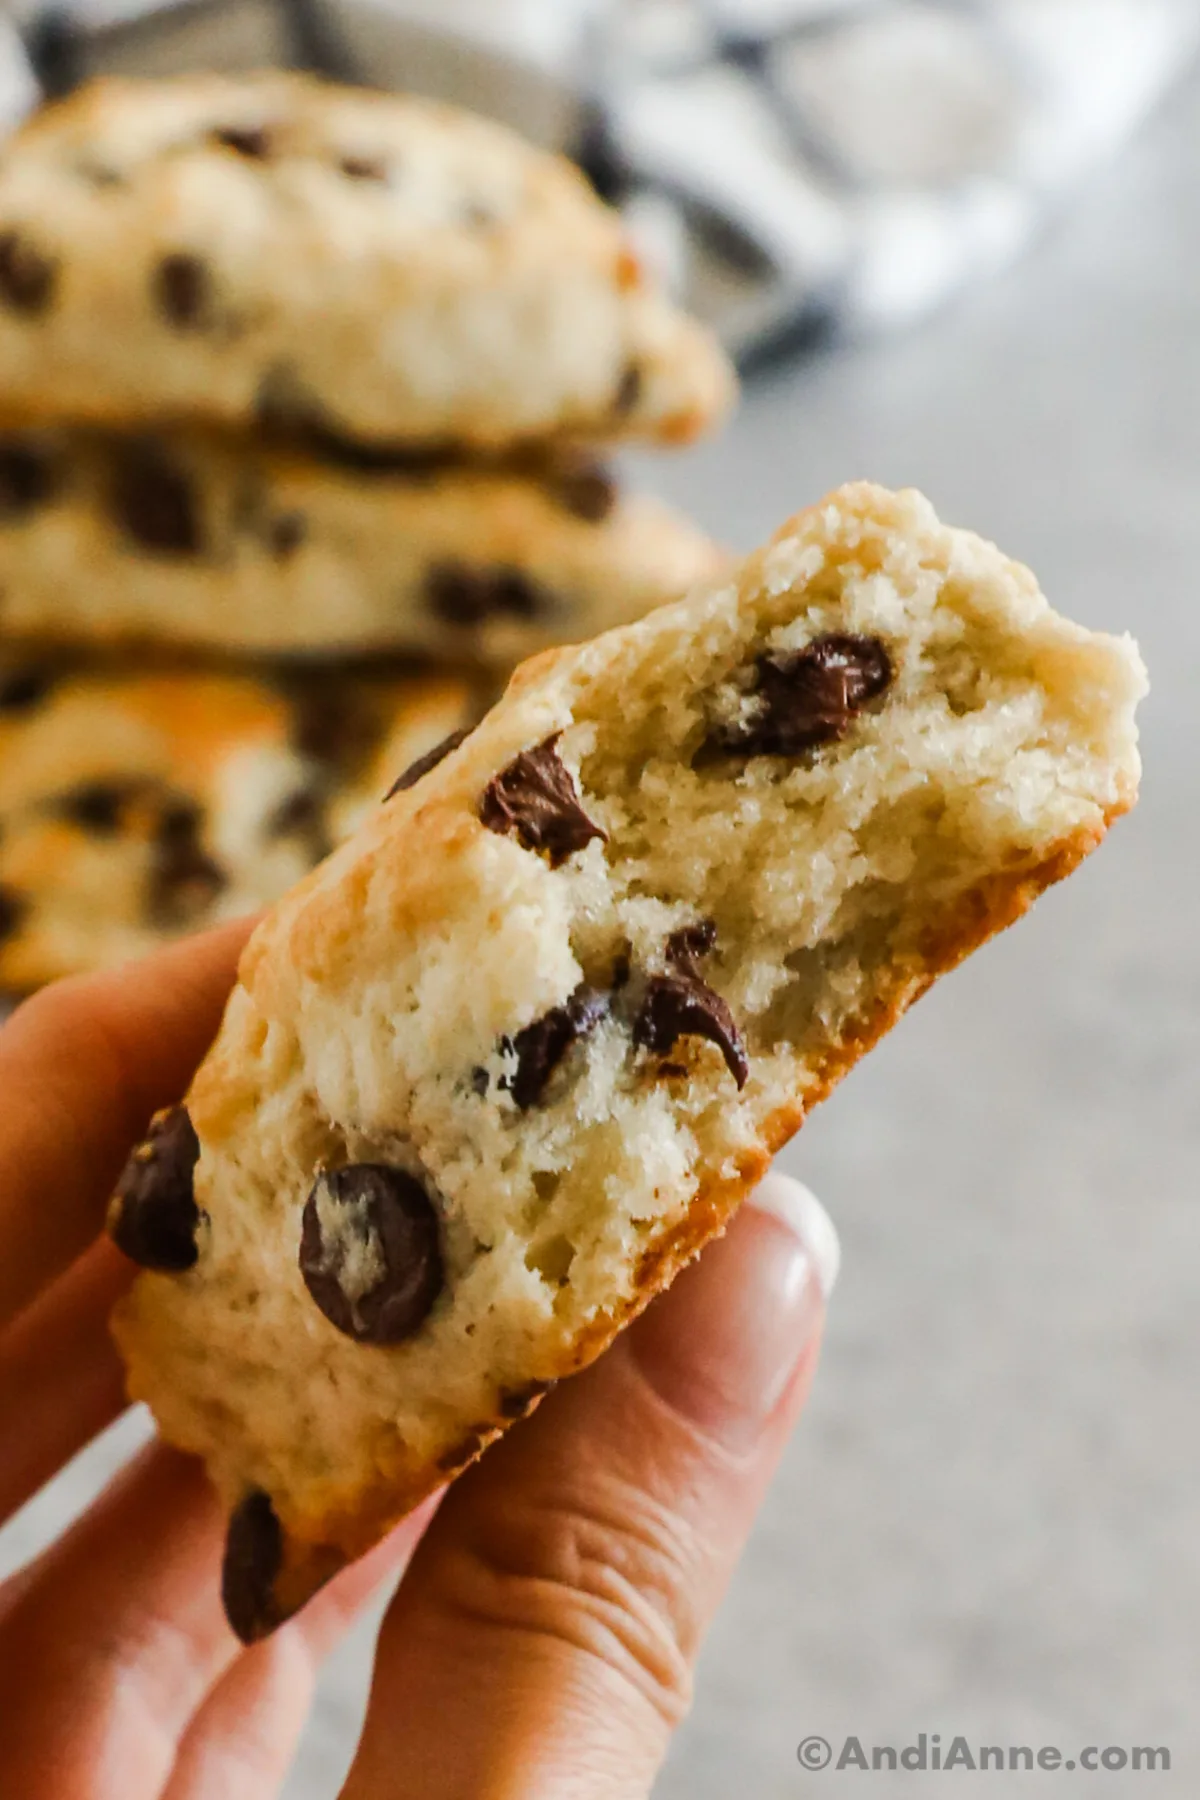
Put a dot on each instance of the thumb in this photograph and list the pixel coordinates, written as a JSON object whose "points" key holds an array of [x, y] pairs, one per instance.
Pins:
{"points": [[542, 1642]]}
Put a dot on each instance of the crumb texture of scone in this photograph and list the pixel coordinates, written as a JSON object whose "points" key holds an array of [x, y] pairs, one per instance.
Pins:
{"points": [[499, 1067], [137, 807], [267, 248], [227, 545]]}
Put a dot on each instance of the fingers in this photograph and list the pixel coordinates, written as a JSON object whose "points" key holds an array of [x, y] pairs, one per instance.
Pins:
{"points": [[243, 1738], [82, 1067], [114, 1637], [543, 1640], [122, 1678], [61, 1380]]}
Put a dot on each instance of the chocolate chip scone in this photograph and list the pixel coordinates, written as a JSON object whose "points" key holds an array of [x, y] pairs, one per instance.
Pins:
{"points": [[241, 248], [507, 1060], [134, 808], [208, 541]]}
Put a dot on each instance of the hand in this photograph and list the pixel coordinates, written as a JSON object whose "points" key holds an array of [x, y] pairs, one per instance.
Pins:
{"points": [[541, 1641]]}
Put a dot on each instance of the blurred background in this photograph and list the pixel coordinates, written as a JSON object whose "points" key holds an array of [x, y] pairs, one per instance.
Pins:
{"points": [[956, 247]]}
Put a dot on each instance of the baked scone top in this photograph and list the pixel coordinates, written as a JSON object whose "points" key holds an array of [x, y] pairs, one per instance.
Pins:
{"points": [[379, 267]]}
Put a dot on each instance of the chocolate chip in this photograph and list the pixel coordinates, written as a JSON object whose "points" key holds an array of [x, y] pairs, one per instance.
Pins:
{"points": [[808, 697], [27, 277], [98, 175], [250, 1567], [685, 947], [430, 760], [363, 168], [155, 1217], [629, 390], [245, 140], [298, 812], [515, 1403], [540, 1047], [462, 595], [22, 689], [536, 798], [97, 806], [181, 288], [184, 879], [301, 814], [153, 500], [682, 1005], [370, 1253], [285, 534], [329, 723], [12, 911], [28, 477], [283, 406], [587, 490]]}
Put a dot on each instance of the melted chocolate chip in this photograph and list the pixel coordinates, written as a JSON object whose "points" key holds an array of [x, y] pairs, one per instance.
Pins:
{"points": [[363, 168], [540, 1047], [252, 1561], [370, 1252], [184, 879], [629, 390], [808, 697], [462, 595], [585, 489], [285, 534], [153, 500], [98, 806], [155, 1217], [181, 288], [28, 477], [23, 689], [685, 947], [430, 760], [682, 1005], [27, 277], [244, 140], [536, 798], [12, 911]]}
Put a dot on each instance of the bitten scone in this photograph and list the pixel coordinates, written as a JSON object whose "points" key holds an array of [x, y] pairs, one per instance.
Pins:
{"points": [[243, 248], [135, 807], [205, 541], [494, 1072]]}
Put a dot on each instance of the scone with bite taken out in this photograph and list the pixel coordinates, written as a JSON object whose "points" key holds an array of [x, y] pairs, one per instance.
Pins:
{"points": [[500, 1067]]}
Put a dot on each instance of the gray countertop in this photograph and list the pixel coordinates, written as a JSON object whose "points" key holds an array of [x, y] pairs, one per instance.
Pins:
{"points": [[987, 1523]]}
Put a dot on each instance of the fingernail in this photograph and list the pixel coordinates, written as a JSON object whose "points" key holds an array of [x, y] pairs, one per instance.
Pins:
{"points": [[724, 1344], [798, 1208]]}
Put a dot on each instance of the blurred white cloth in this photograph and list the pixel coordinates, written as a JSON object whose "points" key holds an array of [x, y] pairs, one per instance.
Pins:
{"points": [[791, 164]]}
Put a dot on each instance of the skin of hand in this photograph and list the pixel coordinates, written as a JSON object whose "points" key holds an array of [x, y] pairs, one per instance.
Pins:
{"points": [[541, 1640]]}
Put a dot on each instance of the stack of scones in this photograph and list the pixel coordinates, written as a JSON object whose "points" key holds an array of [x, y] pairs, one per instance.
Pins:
{"points": [[301, 395]]}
